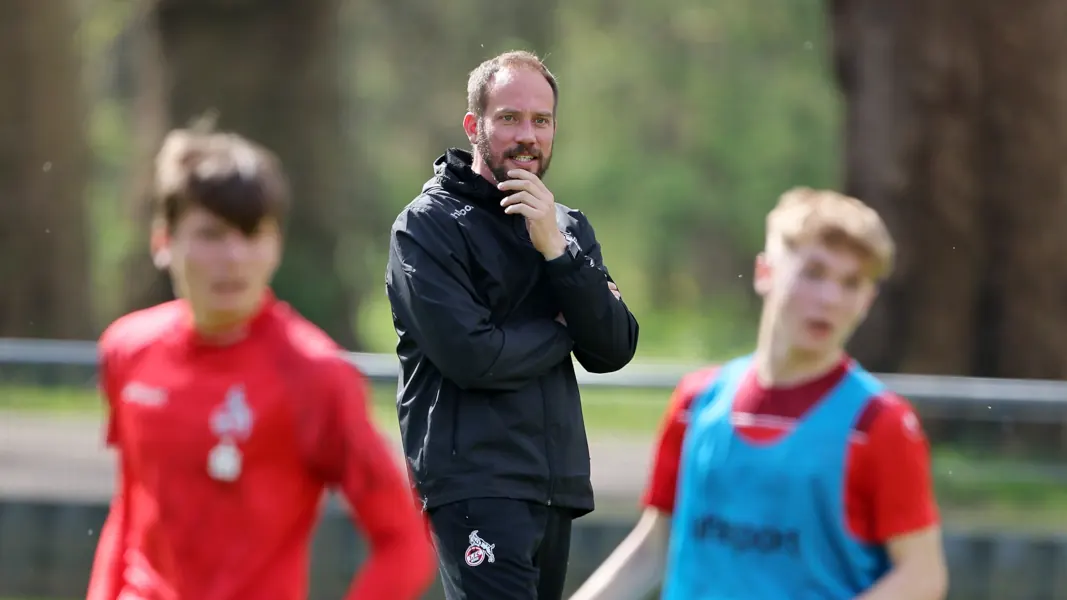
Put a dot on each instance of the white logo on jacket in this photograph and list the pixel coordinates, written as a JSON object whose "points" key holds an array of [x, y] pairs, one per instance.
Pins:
{"points": [[462, 212], [569, 237]]}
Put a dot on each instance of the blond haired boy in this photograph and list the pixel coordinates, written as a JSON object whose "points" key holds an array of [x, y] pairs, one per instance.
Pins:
{"points": [[791, 473]]}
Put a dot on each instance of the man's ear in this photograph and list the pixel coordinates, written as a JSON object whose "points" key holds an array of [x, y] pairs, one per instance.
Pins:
{"points": [[763, 275], [470, 126], [159, 245]]}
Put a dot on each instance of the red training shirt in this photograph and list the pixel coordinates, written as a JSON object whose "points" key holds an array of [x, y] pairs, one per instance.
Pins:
{"points": [[888, 488], [296, 411]]}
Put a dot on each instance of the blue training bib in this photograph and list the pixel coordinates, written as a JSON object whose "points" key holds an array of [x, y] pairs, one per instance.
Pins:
{"points": [[767, 522]]}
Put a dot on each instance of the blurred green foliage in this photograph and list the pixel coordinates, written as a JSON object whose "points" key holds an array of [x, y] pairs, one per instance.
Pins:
{"points": [[679, 125]]}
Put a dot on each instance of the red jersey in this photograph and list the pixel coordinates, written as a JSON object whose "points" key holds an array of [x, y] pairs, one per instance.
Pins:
{"points": [[888, 487], [225, 454]]}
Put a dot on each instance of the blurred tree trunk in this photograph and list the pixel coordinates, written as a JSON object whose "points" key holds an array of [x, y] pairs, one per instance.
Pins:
{"points": [[956, 120], [44, 254], [271, 71], [1024, 166]]}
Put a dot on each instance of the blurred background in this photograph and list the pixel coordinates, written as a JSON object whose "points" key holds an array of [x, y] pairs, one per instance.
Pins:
{"points": [[680, 123]]}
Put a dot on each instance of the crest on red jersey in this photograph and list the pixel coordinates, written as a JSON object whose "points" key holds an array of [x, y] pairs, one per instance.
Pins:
{"points": [[230, 421], [233, 418]]}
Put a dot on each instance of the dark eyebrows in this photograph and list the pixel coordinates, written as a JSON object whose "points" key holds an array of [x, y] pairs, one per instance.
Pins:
{"points": [[507, 110]]}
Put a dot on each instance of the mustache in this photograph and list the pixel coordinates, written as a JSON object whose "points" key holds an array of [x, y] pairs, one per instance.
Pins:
{"points": [[522, 149]]}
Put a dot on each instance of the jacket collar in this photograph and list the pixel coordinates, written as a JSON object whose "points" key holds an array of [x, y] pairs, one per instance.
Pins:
{"points": [[453, 172]]}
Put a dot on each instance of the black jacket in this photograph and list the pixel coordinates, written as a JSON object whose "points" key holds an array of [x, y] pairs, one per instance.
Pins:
{"points": [[487, 398]]}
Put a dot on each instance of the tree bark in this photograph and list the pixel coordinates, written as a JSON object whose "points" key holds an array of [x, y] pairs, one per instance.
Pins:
{"points": [[1025, 125], [143, 284], [45, 266], [954, 132], [271, 72]]}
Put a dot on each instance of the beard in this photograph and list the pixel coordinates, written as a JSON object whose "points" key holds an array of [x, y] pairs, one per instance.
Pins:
{"points": [[497, 164]]}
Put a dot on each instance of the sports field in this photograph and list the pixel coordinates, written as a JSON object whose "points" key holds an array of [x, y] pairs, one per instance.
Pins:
{"points": [[975, 491]]}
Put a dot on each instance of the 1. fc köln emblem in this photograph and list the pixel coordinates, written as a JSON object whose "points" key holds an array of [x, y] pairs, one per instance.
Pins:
{"points": [[478, 551]]}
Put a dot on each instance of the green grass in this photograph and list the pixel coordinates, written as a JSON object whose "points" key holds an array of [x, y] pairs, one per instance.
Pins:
{"points": [[50, 399]]}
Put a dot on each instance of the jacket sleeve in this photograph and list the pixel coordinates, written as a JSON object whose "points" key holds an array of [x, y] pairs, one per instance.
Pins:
{"points": [[434, 301], [602, 327]]}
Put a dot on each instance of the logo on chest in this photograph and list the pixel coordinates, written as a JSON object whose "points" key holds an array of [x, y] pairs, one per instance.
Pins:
{"points": [[230, 422], [456, 214], [232, 418], [739, 536]]}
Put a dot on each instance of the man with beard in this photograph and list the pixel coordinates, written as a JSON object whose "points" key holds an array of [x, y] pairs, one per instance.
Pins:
{"points": [[493, 286]]}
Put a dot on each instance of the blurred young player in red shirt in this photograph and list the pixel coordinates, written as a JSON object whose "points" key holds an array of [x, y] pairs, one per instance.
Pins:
{"points": [[232, 415], [791, 473]]}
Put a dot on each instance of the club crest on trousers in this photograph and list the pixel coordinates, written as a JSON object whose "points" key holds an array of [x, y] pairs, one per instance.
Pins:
{"points": [[478, 551]]}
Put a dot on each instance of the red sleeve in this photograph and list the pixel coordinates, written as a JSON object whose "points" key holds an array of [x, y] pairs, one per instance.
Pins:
{"points": [[105, 580], [898, 458], [663, 482], [350, 453], [109, 388]]}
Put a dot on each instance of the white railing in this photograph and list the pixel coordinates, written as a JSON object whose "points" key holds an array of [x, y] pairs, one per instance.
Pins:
{"points": [[970, 397]]}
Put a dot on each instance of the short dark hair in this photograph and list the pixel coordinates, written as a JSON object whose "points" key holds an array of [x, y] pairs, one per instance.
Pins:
{"points": [[482, 77], [234, 178]]}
